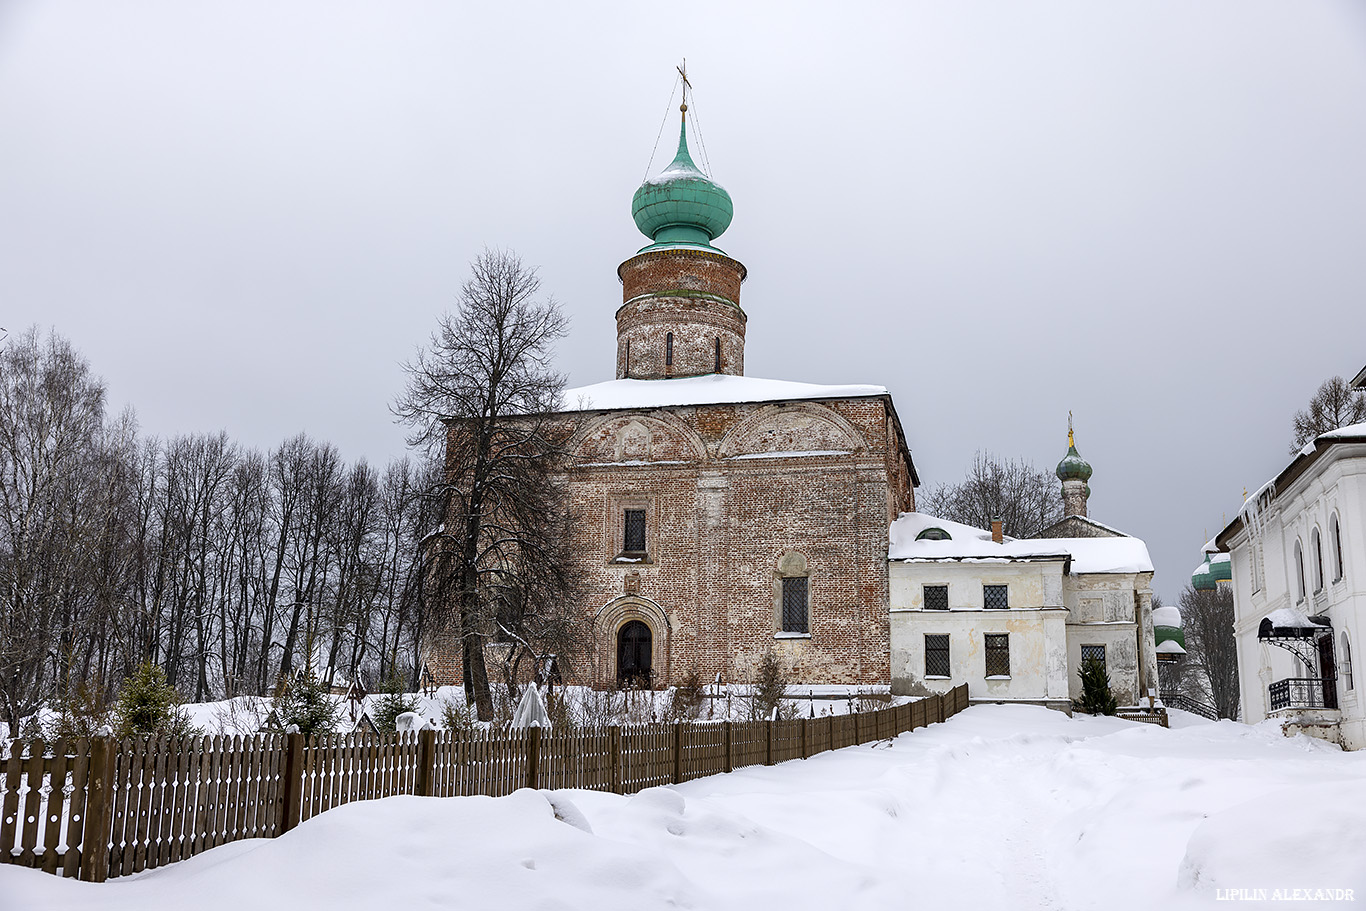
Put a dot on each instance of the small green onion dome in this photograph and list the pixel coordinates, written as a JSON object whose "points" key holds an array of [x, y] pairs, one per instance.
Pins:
{"points": [[1203, 580], [1167, 628], [681, 205], [1073, 467]]}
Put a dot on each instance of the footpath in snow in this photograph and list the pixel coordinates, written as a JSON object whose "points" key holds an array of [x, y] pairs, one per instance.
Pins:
{"points": [[1001, 807]]}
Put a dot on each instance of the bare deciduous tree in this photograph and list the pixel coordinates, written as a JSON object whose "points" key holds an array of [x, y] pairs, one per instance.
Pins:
{"points": [[51, 418], [483, 386], [1336, 404], [1025, 498], [1211, 655]]}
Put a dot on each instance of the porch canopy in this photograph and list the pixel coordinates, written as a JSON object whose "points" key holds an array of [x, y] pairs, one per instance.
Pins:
{"points": [[1288, 623]]}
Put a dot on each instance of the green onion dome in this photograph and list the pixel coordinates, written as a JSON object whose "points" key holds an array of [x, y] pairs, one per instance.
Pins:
{"points": [[681, 205], [1221, 567], [1203, 580], [1073, 467]]}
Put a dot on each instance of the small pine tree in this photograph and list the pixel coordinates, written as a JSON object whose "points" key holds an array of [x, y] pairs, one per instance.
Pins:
{"points": [[148, 704], [1096, 697], [307, 704], [770, 686], [391, 704]]}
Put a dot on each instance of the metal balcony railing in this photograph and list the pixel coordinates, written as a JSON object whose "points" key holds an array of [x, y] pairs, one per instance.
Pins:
{"points": [[1297, 693]]}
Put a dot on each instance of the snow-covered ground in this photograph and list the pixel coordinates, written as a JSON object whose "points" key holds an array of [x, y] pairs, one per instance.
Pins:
{"points": [[1000, 807]]}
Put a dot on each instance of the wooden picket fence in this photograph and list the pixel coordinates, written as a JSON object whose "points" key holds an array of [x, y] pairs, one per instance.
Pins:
{"points": [[99, 808]]}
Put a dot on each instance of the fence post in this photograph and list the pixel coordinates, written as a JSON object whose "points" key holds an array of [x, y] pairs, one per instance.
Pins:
{"points": [[678, 752], [768, 749], [99, 805], [730, 764], [533, 755], [292, 805], [806, 741], [426, 763], [857, 738], [614, 741]]}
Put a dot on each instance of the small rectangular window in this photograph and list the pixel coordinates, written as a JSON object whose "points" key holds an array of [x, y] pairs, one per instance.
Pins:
{"points": [[937, 655], [994, 597], [936, 597], [635, 531], [718, 354], [1093, 653], [795, 613], [998, 654], [669, 350]]}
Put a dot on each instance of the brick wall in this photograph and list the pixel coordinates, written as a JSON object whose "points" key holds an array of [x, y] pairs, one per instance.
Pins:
{"points": [[681, 315], [721, 516]]}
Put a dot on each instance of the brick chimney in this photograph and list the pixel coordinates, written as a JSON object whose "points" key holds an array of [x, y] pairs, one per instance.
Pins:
{"points": [[996, 535]]}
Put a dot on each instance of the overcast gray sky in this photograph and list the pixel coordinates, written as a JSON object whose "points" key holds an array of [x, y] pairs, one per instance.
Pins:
{"points": [[247, 214]]}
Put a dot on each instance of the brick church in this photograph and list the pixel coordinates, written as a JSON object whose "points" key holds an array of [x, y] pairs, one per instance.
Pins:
{"points": [[724, 515], [720, 516]]}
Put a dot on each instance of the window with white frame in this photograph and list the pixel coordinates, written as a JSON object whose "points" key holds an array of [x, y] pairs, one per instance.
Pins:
{"points": [[937, 655], [1346, 669], [997, 649], [1317, 547], [1335, 531], [1299, 571], [1093, 653]]}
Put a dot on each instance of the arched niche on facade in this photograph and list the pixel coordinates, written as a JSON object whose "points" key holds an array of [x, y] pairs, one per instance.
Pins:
{"points": [[636, 437], [797, 427]]}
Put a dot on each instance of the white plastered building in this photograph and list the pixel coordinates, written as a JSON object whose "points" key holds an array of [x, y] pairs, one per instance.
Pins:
{"points": [[1298, 549], [1015, 618]]}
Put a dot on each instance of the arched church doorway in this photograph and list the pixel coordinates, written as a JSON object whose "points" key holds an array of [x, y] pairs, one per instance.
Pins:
{"points": [[633, 655]]}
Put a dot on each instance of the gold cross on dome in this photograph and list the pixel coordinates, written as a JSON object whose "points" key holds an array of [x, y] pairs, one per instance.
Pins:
{"points": [[683, 72]]}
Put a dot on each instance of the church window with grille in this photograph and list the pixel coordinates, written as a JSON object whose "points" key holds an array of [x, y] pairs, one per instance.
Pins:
{"points": [[994, 597], [1093, 653], [936, 597], [635, 531], [997, 654], [669, 350], [936, 655], [795, 606]]}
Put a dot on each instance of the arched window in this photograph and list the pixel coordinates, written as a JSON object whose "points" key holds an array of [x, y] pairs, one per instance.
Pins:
{"points": [[1346, 668], [718, 354], [1336, 532], [1299, 572], [669, 350], [1318, 561], [793, 594]]}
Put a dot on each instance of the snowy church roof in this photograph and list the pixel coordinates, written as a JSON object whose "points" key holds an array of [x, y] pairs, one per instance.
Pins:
{"points": [[712, 389], [974, 545]]}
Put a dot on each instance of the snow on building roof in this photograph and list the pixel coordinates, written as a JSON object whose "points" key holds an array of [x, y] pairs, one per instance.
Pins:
{"points": [[966, 543], [1170, 647], [712, 389]]}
